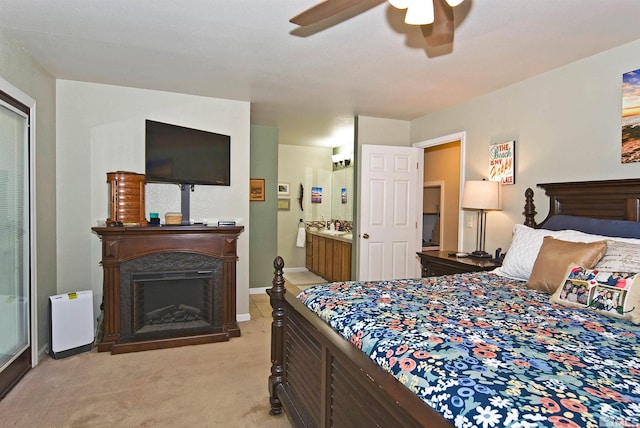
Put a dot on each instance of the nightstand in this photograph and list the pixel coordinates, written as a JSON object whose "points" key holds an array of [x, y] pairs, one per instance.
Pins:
{"points": [[436, 263]]}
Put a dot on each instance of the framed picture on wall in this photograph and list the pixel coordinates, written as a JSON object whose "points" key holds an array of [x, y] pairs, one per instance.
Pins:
{"points": [[283, 189], [502, 164], [256, 189], [284, 204], [316, 195], [630, 116]]}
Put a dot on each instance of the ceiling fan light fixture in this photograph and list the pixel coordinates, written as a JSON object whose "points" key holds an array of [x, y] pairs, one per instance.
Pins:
{"points": [[400, 4], [419, 12], [434, 17]]}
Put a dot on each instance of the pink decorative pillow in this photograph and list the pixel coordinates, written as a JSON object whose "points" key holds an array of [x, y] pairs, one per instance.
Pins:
{"points": [[555, 256]]}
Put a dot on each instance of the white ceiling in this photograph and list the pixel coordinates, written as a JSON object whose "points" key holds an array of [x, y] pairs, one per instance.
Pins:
{"points": [[309, 82]]}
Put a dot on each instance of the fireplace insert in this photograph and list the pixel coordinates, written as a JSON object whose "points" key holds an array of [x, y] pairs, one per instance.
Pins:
{"points": [[185, 300], [165, 301]]}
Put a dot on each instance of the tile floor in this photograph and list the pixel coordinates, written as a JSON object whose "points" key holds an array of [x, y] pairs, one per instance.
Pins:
{"points": [[259, 306]]}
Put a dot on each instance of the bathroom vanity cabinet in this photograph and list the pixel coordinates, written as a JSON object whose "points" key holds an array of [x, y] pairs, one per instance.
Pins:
{"points": [[328, 256]]}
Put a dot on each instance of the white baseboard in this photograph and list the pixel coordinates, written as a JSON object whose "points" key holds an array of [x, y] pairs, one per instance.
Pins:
{"points": [[243, 317], [263, 290]]}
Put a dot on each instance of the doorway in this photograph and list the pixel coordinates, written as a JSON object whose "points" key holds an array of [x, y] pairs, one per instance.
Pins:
{"points": [[444, 165], [433, 193], [16, 284]]}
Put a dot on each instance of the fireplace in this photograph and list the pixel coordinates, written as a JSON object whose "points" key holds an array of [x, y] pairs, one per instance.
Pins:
{"points": [[167, 286], [168, 301], [170, 294]]}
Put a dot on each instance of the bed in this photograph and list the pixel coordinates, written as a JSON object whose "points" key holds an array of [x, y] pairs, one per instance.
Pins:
{"points": [[535, 344]]}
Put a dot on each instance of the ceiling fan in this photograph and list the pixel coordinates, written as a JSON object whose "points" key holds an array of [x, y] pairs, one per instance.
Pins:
{"points": [[435, 17]]}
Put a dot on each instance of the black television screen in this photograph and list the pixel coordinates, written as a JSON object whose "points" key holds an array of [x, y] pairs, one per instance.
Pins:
{"points": [[175, 154]]}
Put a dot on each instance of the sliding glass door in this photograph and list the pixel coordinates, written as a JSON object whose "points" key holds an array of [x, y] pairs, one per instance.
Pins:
{"points": [[15, 352]]}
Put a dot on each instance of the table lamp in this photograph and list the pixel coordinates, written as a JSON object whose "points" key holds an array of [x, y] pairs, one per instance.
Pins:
{"points": [[482, 196]]}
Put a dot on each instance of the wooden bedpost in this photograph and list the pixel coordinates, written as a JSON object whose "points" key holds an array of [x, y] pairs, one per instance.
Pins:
{"points": [[529, 209], [276, 294]]}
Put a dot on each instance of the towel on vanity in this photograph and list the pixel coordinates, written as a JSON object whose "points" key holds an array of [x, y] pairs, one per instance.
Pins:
{"points": [[300, 240]]}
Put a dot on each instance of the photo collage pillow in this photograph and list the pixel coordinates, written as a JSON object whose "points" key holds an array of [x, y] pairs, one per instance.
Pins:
{"points": [[615, 294]]}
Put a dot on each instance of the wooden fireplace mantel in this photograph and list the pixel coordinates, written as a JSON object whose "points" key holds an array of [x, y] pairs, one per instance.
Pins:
{"points": [[121, 244]]}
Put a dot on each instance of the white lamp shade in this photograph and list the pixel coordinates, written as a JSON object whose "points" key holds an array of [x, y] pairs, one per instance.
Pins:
{"points": [[481, 195]]}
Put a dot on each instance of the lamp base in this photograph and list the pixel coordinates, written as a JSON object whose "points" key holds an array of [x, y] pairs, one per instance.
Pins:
{"points": [[480, 254]]}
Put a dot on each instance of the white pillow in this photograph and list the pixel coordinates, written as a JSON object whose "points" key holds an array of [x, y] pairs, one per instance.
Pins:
{"points": [[522, 253], [577, 236], [526, 243], [620, 257]]}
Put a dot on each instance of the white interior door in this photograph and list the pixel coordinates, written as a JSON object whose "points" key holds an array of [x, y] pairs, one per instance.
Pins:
{"points": [[390, 212]]}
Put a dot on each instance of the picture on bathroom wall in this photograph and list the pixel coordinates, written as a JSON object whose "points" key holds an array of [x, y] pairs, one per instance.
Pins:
{"points": [[284, 204], [283, 189], [316, 195], [343, 195], [631, 117]]}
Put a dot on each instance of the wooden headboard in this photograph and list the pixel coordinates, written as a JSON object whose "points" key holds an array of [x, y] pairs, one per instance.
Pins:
{"points": [[606, 199]]}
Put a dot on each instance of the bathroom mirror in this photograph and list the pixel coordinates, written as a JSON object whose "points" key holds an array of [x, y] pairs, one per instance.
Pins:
{"points": [[342, 194]]}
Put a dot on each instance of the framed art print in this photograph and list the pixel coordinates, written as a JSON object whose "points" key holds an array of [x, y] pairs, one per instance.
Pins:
{"points": [[256, 189], [283, 189], [630, 117], [502, 162], [284, 204], [316, 195]]}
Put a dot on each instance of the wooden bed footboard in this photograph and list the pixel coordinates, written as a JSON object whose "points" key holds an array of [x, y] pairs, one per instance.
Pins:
{"points": [[320, 380]]}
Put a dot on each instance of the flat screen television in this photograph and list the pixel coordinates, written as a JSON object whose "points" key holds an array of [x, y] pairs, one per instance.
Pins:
{"points": [[175, 154]]}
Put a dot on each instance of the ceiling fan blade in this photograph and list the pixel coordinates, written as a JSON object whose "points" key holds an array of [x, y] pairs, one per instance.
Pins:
{"points": [[322, 11], [441, 31]]}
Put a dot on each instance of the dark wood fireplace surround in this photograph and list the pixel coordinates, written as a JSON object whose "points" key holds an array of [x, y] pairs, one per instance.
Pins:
{"points": [[121, 244]]}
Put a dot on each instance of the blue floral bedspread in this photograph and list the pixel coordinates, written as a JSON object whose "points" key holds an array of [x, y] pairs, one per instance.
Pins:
{"points": [[485, 351]]}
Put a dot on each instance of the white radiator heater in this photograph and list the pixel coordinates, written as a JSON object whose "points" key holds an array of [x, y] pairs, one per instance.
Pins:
{"points": [[71, 325]]}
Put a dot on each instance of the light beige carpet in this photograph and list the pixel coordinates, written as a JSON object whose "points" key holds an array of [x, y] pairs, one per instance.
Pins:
{"points": [[213, 385], [303, 278]]}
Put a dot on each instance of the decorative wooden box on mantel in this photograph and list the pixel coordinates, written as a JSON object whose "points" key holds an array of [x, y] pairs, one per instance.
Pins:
{"points": [[126, 198]]}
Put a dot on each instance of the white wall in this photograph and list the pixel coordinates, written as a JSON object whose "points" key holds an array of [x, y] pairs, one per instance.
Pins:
{"points": [[566, 124], [19, 69], [384, 132], [100, 128]]}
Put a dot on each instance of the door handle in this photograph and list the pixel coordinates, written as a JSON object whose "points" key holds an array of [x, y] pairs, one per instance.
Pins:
{"points": [[365, 235]]}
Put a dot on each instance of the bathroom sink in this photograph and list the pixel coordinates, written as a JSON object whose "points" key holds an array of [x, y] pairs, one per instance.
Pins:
{"points": [[347, 236], [333, 232]]}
